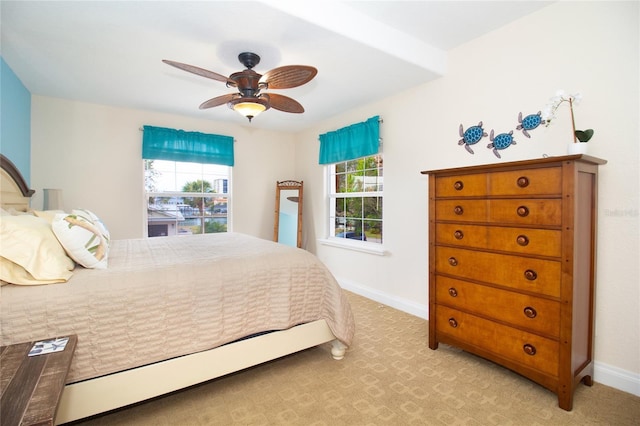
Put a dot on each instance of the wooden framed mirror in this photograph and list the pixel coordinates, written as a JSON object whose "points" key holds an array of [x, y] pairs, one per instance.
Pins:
{"points": [[287, 228]]}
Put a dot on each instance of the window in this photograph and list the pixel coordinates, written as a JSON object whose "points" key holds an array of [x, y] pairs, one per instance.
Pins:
{"points": [[355, 199], [186, 198]]}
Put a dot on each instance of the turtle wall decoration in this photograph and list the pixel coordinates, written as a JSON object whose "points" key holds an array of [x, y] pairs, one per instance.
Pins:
{"points": [[500, 142], [471, 136], [529, 122]]}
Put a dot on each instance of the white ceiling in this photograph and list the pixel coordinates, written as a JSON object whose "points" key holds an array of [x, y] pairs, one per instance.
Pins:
{"points": [[110, 52]]}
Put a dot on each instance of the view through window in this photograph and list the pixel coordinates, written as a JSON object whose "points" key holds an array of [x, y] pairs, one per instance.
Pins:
{"points": [[186, 198], [355, 193]]}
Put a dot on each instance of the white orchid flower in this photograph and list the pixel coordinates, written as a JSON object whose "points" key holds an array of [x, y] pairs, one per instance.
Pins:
{"points": [[549, 113], [577, 97]]}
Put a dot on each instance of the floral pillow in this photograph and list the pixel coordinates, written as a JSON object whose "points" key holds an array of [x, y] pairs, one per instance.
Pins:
{"points": [[84, 238], [95, 219]]}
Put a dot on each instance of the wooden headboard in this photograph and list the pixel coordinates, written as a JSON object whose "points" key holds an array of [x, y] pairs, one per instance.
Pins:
{"points": [[14, 192]]}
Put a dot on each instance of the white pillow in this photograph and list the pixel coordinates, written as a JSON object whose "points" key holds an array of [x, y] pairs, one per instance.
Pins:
{"points": [[15, 274], [82, 238], [14, 212], [29, 242], [47, 215]]}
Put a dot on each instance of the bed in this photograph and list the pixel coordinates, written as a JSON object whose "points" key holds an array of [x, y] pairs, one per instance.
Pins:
{"points": [[165, 313]]}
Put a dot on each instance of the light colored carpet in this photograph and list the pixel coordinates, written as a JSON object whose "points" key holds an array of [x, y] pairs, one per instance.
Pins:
{"points": [[388, 377]]}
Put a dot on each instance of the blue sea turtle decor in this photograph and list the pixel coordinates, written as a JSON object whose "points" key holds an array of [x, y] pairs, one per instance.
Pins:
{"points": [[500, 142], [471, 136], [529, 122]]}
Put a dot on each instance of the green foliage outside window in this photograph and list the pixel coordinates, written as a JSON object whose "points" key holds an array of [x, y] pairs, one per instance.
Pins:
{"points": [[357, 213]]}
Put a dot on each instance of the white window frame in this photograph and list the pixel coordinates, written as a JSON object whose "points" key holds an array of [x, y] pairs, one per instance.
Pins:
{"points": [[180, 194], [347, 243]]}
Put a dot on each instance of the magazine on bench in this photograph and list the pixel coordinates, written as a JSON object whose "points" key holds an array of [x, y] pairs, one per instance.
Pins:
{"points": [[49, 346]]}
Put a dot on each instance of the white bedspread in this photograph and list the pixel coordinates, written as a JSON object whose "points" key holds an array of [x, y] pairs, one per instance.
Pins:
{"points": [[170, 296]]}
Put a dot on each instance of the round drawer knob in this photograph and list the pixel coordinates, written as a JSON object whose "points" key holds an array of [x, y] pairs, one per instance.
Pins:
{"points": [[522, 240], [458, 235], [530, 274], [453, 292], [453, 323], [523, 211], [458, 185], [528, 348], [523, 181], [458, 210], [530, 312], [453, 261]]}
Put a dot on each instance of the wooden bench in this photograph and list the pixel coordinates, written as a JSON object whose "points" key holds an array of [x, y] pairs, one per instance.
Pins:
{"points": [[31, 386]]}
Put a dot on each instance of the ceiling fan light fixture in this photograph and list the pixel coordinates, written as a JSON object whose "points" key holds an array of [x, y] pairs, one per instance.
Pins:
{"points": [[247, 100], [249, 107]]}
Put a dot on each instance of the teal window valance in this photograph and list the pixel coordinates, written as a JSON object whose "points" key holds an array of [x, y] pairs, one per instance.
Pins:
{"points": [[160, 143], [351, 142]]}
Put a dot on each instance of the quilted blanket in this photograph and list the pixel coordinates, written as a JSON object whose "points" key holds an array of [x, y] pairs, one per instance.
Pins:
{"points": [[165, 297]]}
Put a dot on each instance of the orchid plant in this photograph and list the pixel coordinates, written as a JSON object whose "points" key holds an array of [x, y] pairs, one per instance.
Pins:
{"points": [[549, 113]]}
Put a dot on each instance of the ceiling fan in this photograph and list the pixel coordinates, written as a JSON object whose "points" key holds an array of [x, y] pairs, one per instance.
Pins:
{"points": [[249, 101]]}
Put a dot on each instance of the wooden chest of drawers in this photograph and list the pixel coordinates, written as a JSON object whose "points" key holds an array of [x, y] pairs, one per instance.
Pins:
{"points": [[512, 266]]}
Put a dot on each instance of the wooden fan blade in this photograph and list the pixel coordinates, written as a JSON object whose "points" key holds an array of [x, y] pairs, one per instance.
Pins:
{"points": [[288, 76], [284, 103], [219, 100], [199, 71]]}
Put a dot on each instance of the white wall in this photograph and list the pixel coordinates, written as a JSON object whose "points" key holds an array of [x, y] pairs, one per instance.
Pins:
{"points": [[93, 153], [591, 47]]}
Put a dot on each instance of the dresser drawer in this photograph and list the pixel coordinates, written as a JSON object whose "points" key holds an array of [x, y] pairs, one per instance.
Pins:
{"points": [[526, 211], [472, 185], [538, 181], [462, 210], [542, 242], [542, 181], [520, 273], [524, 348], [534, 313], [547, 212]]}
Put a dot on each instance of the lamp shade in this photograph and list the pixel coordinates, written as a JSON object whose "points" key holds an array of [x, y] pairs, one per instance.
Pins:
{"points": [[249, 109], [249, 106], [52, 199]]}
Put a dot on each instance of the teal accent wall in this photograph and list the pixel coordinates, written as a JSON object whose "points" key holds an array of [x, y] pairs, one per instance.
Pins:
{"points": [[15, 120]]}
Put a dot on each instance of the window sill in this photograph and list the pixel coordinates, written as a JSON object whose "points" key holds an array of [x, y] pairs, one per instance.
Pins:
{"points": [[360, 246]]}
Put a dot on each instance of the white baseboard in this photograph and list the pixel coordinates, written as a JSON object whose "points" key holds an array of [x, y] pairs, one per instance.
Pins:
{"points": [[617, 378], [404, 305], [608, 375]]}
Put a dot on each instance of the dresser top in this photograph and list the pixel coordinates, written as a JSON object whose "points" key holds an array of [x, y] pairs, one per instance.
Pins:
{"points": [[520, 164]]}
